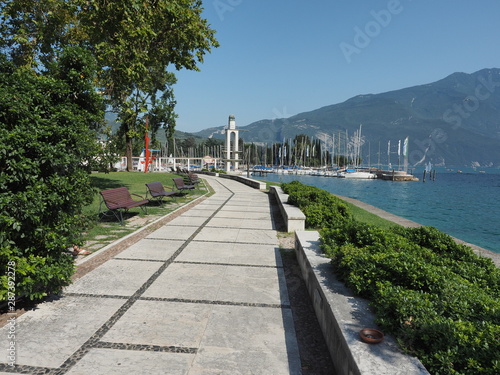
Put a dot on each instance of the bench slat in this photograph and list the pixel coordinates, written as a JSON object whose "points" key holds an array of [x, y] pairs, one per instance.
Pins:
{"points": [[157, 191], [120, 199]]}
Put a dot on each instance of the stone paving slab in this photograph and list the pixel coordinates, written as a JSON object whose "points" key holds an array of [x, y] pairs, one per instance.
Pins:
{"points": [[220, 197], [197, 212], [212, 282], [223, 222], [161, 323], [247, 208], [115, 277], [238, 235], [231, 253], [257, 328], [55, 330], [151, 249], [211, 204], [185, 220], [254, 285], [119, 362], [236, 215], [257, 345], [173, 233], [187, 281]]}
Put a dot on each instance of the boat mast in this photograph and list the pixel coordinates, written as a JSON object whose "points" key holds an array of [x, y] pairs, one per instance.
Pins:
{"points": [[333, 148], [358, 161], [378, 161]]}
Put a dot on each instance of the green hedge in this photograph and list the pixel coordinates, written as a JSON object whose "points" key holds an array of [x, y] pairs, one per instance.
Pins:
{"points": [[320, 207], [436, 297], [47, 138]]}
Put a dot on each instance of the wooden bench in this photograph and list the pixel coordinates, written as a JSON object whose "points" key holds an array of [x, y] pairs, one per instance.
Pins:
{"points": [[193, 178], [181, 186], [158, 192], [119, 200]]}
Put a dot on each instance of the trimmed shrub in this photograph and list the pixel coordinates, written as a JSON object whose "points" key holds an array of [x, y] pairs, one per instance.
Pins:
{"points": [[436, 297], [320, 207]]}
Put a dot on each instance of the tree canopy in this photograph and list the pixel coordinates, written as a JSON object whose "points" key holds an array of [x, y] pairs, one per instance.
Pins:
{"points": [[135, 43]]}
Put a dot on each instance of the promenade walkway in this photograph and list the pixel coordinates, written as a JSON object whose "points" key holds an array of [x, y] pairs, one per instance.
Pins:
{"points": [[203, 294]]}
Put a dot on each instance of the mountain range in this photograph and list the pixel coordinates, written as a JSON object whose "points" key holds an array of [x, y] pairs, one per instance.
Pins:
{"points": [[454, 121]]}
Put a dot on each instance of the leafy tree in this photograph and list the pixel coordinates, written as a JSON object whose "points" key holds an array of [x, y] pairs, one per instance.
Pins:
{"points": [[162, 115], [213, 142], [110, 152], [186, 145], [135, 41], [33, 32], [48, 129]]}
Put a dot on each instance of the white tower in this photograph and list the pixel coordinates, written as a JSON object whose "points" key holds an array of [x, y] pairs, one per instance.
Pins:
{"points": [[232, 141]]}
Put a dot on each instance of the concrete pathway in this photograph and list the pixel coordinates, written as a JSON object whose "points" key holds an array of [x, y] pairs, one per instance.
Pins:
{"points": [[203, 294]]}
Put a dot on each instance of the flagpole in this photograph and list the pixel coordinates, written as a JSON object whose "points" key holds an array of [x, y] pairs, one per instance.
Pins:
{"points": [[399, 155], [405, 154], [389, 154]]}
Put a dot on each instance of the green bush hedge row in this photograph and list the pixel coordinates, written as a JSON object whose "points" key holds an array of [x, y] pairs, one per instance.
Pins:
{"points": [[439, 299], [320, 207], [48, 128]]}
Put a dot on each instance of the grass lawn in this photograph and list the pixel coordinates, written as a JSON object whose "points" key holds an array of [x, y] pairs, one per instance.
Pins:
{"points": [[108, 229], [369, 218], [102, 232]]}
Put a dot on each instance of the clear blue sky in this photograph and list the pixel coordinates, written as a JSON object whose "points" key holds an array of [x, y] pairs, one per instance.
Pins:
{"points": [[278, 58]]}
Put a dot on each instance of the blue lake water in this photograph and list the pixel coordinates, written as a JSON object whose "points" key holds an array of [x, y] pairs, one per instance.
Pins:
{"points": [[465, 205]]}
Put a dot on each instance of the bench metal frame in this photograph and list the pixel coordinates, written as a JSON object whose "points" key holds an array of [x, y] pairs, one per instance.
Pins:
{"points": [[118, 201], [158, 192]]}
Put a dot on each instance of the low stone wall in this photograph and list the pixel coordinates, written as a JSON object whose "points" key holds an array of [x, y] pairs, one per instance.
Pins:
{"points": [[245, 180], [342, 315], [294, 218]]}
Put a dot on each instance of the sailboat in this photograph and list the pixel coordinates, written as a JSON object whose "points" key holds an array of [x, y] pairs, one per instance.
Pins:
{"points": [[398, 175], [357, 173]]}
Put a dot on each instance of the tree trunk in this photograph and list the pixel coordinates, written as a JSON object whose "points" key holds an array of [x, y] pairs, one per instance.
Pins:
{"points": [[128, 153]]}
